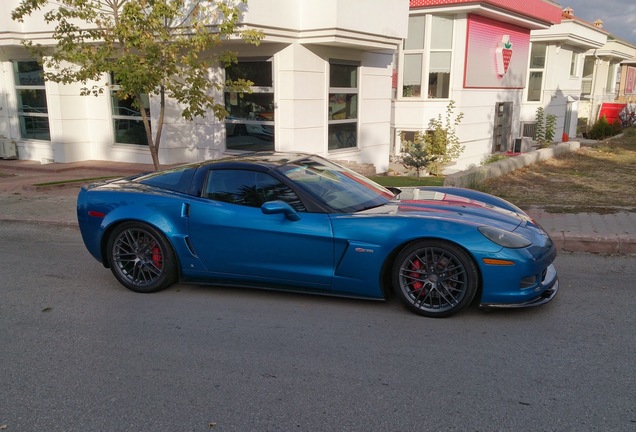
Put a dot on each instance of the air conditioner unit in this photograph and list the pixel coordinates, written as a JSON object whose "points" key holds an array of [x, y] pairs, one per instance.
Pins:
{"points": [[8, 149]]}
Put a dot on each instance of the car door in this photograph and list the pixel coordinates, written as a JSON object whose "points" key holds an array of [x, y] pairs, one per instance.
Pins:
{"points": [[235, 240]]}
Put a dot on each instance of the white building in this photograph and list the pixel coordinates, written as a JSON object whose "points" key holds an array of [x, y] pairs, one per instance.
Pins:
{"points": [[341, 79], [322, 84], [476, 54]]}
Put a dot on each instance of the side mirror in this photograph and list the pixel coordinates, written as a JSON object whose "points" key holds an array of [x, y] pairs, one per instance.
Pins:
{"points": [[278, 207]]}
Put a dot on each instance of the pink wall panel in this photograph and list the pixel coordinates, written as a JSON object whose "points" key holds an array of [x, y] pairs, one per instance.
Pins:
{"points": [[484, 37]]}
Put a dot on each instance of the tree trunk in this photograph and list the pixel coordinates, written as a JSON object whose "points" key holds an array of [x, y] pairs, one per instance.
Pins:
{"points": [[153, 145]]}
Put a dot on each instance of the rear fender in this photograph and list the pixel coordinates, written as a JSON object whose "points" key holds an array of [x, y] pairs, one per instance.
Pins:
{"points": [[172, 226]]}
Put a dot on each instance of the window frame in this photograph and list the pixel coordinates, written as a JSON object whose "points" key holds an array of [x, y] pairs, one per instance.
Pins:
{"points": [[425, 52], [574, 65], [115, 117], [349, 97], [536, 70], [265, 127], [610, 82], [38, 86], [587, 81]]}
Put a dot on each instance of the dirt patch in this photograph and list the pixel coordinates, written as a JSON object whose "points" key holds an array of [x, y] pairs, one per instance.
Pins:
{"points": [[599, 178]]}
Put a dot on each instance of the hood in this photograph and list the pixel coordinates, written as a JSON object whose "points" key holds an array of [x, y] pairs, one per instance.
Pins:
{"points": [[435, 204]]}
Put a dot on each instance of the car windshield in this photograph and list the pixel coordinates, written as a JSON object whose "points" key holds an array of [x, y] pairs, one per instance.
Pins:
{"points": [[343, 190]]}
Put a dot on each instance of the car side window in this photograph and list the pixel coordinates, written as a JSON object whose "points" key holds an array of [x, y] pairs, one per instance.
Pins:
{"points": [[248, 188]]}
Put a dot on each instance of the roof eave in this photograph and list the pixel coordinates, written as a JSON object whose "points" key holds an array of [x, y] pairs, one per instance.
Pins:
{"points": [[488, 11]]}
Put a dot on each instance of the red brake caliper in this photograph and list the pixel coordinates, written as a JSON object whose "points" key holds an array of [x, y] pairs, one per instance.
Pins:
{"points": [[156, 256], [417, 264]]}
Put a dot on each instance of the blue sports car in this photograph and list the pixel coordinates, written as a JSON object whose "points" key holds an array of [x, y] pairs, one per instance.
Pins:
{"points": [[299, 222]]}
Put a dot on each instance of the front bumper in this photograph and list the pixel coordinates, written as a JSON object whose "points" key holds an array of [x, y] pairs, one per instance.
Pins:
{"points": [[551, 286]]}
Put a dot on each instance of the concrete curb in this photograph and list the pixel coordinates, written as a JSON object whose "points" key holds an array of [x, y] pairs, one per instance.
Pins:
{"points": [[478, 174], [604, 244], [67, 224]]}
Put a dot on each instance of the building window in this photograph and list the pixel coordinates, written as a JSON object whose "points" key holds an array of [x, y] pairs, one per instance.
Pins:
{"points": [[611, 78], [574, 61], [343, 105], [588, 72], [535, 77], [427, 57], [31, 96], [250, 123], [127, 122]]}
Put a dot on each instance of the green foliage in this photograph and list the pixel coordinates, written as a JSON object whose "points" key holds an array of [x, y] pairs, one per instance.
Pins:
{"points": [[545, 128], [443, 142], [601, 129], [540, 126], [436, 147], [550, 126], [155, 47], [415, 153]]}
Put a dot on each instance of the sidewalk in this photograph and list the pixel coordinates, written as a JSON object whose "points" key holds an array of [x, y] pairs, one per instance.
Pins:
{"points": [[24, 198]]}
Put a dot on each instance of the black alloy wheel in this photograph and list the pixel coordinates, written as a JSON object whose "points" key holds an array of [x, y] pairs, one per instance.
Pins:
{"points": [[435, 278], [141, 258]]}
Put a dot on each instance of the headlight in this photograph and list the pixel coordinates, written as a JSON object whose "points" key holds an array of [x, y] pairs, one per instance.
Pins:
{"points": [[504, 238]]}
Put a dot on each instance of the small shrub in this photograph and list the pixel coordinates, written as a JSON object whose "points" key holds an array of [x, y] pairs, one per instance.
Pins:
{"points": [[436, 147], [601, 129], [546, 124], [550, 126], [415, 154]]}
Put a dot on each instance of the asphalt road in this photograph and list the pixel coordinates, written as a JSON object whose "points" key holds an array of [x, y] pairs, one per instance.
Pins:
{"points": [[78, 352]]}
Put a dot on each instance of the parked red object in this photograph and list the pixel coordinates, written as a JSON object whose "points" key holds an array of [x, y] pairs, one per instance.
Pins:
{"points": [[611, 111]]}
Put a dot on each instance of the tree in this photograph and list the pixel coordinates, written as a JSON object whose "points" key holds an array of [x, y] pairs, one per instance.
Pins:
{"points": [[151, 47], [415, 153], [436, 147], [442, 141]]}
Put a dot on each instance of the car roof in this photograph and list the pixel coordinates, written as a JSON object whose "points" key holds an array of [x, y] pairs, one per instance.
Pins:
{"points": [[260, 158]]}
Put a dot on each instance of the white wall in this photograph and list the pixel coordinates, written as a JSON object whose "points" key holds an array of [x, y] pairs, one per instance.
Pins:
{"points": [[300, 38], [476, 130], [388, 18]]}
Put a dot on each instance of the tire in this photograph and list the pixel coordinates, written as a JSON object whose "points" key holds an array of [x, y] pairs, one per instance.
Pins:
{"points": [[141, 258], [435, 278]]}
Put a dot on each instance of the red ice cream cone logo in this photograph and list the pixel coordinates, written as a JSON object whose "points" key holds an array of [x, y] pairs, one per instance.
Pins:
{"points": [[503, 55]]}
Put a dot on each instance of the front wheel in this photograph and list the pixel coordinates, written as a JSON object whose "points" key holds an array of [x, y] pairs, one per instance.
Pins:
{"points": [[435, 278], [141, 258]]}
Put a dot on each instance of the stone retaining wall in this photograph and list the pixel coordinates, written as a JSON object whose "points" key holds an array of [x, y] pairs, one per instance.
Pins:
{"points": [[478, 174]]}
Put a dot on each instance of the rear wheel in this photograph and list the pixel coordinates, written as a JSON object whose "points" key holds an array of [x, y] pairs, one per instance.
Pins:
{"points": [[435, 278], [141, 258]]}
